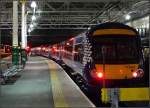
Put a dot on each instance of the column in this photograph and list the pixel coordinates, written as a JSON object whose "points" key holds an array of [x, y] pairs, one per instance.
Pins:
{"points": [[15, 50], [23, 35]]}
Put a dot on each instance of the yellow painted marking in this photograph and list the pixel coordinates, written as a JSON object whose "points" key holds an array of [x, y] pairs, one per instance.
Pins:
{"points": [[104, 95], [134, 94], [128, 94], [114, 32], [59, 99]]}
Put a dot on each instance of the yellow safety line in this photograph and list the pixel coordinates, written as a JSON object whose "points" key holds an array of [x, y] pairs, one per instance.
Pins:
{"points": [[134, 94], [59, 99]]}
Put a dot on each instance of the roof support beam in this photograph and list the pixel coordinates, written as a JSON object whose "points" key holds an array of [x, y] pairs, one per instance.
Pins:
{"points": [[81, 1], [50, 7]]}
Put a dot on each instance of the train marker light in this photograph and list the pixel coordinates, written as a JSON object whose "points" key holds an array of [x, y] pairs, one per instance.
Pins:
{"points": [[100, 75], [71, 39], [134, 74], [44, 48], [68, 43], [138, 73], [75, 52]]}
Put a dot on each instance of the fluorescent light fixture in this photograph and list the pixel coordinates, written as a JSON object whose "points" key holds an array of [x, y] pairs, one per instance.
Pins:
{"points": [[31, 25], [127, 17], [29, 30], [33, 18], [89, 28], [33, 4]]}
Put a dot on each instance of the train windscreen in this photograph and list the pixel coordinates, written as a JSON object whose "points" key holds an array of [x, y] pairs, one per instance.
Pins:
{"points": [[116, 50]]}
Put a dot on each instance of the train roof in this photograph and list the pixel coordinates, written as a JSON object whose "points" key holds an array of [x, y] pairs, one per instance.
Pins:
{"points": [[111, 25]]}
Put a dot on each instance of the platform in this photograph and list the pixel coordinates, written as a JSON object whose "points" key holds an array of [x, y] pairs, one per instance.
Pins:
{"points": [[43, 84]]}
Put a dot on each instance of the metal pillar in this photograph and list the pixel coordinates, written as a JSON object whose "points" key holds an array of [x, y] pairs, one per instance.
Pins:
{"points": [[15, 50], [23, 35], [23, 26], [25, 31]]}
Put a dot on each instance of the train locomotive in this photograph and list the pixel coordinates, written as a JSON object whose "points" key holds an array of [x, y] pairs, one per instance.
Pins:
{"points": [[109, 52]]}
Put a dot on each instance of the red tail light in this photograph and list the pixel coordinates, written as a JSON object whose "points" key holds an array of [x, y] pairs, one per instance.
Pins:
{"points": [[96, 74], [134, 74], [100, 75], [68, 43], [138, 73]]}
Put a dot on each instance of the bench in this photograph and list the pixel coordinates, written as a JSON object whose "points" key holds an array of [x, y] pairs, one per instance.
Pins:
{"points": [[7, 71]]}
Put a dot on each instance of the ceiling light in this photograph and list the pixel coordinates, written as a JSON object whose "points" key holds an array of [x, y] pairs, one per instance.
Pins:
{"points": [[33, 18], [29, 30], [127, 17], [33, 4], [31, 25]]}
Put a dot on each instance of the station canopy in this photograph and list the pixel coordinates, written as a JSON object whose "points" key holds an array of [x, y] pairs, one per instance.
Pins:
{"points": [[62, 19]]}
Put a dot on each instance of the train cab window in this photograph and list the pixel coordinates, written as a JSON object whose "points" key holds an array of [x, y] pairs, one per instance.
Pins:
{"points": [[116, 50], [126, 51]]}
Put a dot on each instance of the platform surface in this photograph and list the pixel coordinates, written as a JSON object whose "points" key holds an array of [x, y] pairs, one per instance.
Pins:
{"points": [[43, 84]]}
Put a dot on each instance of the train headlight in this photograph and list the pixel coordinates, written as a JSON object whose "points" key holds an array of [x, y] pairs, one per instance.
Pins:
{"points": [[138, 73]]}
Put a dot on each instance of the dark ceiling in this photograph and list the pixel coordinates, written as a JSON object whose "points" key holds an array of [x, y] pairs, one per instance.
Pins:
{"points": [[41, 36], [58, 20], [38, 37]]}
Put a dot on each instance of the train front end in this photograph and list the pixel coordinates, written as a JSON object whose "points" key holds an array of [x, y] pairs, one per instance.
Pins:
{"points": [[116, 61]]}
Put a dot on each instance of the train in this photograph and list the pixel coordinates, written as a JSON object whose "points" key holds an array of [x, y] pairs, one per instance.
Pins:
{"points": [[108, 55], [110, 51]]}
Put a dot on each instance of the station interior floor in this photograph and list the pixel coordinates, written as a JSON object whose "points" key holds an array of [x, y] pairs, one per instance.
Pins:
{"points": [[42, 84]]}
